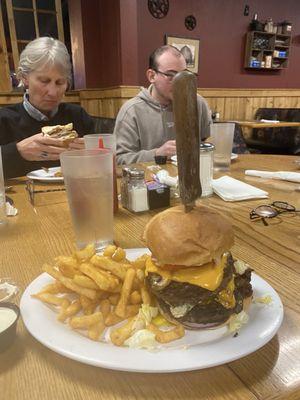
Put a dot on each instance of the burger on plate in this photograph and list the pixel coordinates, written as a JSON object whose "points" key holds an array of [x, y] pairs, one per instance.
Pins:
{"points": [[192, 273], [64, 132]]}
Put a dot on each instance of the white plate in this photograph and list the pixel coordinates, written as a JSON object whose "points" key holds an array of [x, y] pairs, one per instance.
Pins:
{"points": [[233, 157], [197, 350], [45, 176]]}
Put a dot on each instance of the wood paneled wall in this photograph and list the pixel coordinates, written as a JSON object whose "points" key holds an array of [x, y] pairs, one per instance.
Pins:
{"points": [[236, 104]]}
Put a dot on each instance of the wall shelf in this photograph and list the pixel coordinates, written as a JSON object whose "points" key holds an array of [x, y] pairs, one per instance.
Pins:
{"points": [[263, 51]]}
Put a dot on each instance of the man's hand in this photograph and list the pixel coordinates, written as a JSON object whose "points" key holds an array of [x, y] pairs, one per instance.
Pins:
{"points": [[167, 149], [39, 147]]}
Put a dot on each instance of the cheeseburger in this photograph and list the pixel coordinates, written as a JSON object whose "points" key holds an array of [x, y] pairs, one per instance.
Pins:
{"points": [[64, 132], [191, 272]]}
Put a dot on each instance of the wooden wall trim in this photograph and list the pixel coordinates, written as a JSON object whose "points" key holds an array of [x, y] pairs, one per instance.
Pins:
{"points": [[16, 97], [236, 104]]}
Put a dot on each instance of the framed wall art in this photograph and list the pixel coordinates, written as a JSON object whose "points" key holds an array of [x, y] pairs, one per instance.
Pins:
{"points": [[189, 49]]}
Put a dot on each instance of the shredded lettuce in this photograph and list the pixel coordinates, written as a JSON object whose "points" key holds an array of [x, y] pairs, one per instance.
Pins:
{"points": [[142, 339], [267, 299], [240, 267], [237, 321], [144, 317]]}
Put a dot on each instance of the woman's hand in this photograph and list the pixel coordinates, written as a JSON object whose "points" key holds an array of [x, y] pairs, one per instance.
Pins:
{"points": [[77, 144], [39, 147]]}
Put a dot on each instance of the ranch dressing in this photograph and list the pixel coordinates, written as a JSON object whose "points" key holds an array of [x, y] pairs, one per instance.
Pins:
{"points": [[7, 318]]}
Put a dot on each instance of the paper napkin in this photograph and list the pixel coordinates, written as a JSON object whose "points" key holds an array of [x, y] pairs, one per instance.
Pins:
{"points": [[272, 121], [230, 189], [11, 211], [283, 175]]}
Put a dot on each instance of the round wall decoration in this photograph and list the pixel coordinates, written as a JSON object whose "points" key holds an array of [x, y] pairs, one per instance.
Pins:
{"points": [[158, 8], [190, 22]]}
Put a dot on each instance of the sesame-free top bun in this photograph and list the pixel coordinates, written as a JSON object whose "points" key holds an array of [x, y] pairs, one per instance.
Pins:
{"points": [[188, 239]]}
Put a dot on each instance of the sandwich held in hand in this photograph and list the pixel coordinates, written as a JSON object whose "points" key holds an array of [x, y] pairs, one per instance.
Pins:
{"points": [[64, 132], [192, 273]]}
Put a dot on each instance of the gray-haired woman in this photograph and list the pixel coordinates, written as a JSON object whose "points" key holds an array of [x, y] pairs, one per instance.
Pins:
{"points": [[45, 72]]}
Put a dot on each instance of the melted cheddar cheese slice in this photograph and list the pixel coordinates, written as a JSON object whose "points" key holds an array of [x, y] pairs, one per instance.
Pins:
{"points": [[208, 276]]}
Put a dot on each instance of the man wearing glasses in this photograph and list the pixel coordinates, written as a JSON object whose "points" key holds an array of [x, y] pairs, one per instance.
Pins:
{"points": [[145, 124]]}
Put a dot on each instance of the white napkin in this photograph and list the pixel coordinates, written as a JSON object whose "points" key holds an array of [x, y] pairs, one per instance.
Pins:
{"points": [[283, 175], [230, 189], [268, 121], [11, 211], [164, 177]]}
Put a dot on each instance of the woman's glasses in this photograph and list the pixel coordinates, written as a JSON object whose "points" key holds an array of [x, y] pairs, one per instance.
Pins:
{"points": [[272, 210]]}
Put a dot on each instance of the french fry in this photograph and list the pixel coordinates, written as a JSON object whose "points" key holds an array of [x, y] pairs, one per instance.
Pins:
{"points": [[140, 262], [88, 305], [140, 274], [71, 310], [96, 330], [105, 307], [135, 298], [119, 335], [85, 321], [117, 269], [113, 319], [49, 298], [119, 255], [167, 336], [90, 293], [104, 280], [145, 295], [67, 264], [125, 292], [114, 299], [65, 304], [52, 288], [109, 250], [85, 254], [85, 281]]}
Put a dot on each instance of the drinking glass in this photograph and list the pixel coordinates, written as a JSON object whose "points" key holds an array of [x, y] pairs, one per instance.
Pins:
{"points": [[222, 138], [100, 140], [88, 176], [105, 141]]}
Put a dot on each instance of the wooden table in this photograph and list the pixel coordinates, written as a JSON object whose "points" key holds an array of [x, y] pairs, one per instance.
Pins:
{"points": [[28, 370], [247, 126]]}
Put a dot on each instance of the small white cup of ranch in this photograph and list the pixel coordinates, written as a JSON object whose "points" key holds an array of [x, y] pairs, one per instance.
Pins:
{"points": [[9, 314]]}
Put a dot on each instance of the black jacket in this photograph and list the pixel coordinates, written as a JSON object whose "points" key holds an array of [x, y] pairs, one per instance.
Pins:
{"points": [[16, 124]]}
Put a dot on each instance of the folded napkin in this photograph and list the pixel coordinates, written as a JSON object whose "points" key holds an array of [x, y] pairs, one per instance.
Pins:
{"points": [[11, 211], [283, 175], [164, 177], [230, 189], [274, 121]]}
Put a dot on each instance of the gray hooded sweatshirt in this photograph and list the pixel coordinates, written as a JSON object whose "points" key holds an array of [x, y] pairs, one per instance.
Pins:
{"points": [[143, 125]]}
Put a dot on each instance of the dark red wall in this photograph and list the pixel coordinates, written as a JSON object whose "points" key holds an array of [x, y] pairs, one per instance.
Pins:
{"points": [[221, 28], [119, 35]]}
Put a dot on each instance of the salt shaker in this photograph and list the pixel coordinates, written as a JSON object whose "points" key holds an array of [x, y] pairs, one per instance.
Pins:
{"points": [[137, 191], [206, 168]]}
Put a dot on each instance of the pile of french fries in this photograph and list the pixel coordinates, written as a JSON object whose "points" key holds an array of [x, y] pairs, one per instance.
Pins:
{"points": [[93, 292]]}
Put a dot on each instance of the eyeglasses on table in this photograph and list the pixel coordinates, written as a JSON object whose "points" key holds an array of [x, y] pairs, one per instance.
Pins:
{"points": [[272, 210]]}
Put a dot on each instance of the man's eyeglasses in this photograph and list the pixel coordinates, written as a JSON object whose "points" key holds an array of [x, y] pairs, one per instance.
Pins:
{"points": [[272, 210], [170, 75]]}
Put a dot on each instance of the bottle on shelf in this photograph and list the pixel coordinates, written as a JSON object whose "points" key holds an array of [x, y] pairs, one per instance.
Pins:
{"points": [[269, 25]]}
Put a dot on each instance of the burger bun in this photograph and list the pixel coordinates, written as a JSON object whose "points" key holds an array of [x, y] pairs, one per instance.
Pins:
{"points": [[188, 239]]}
